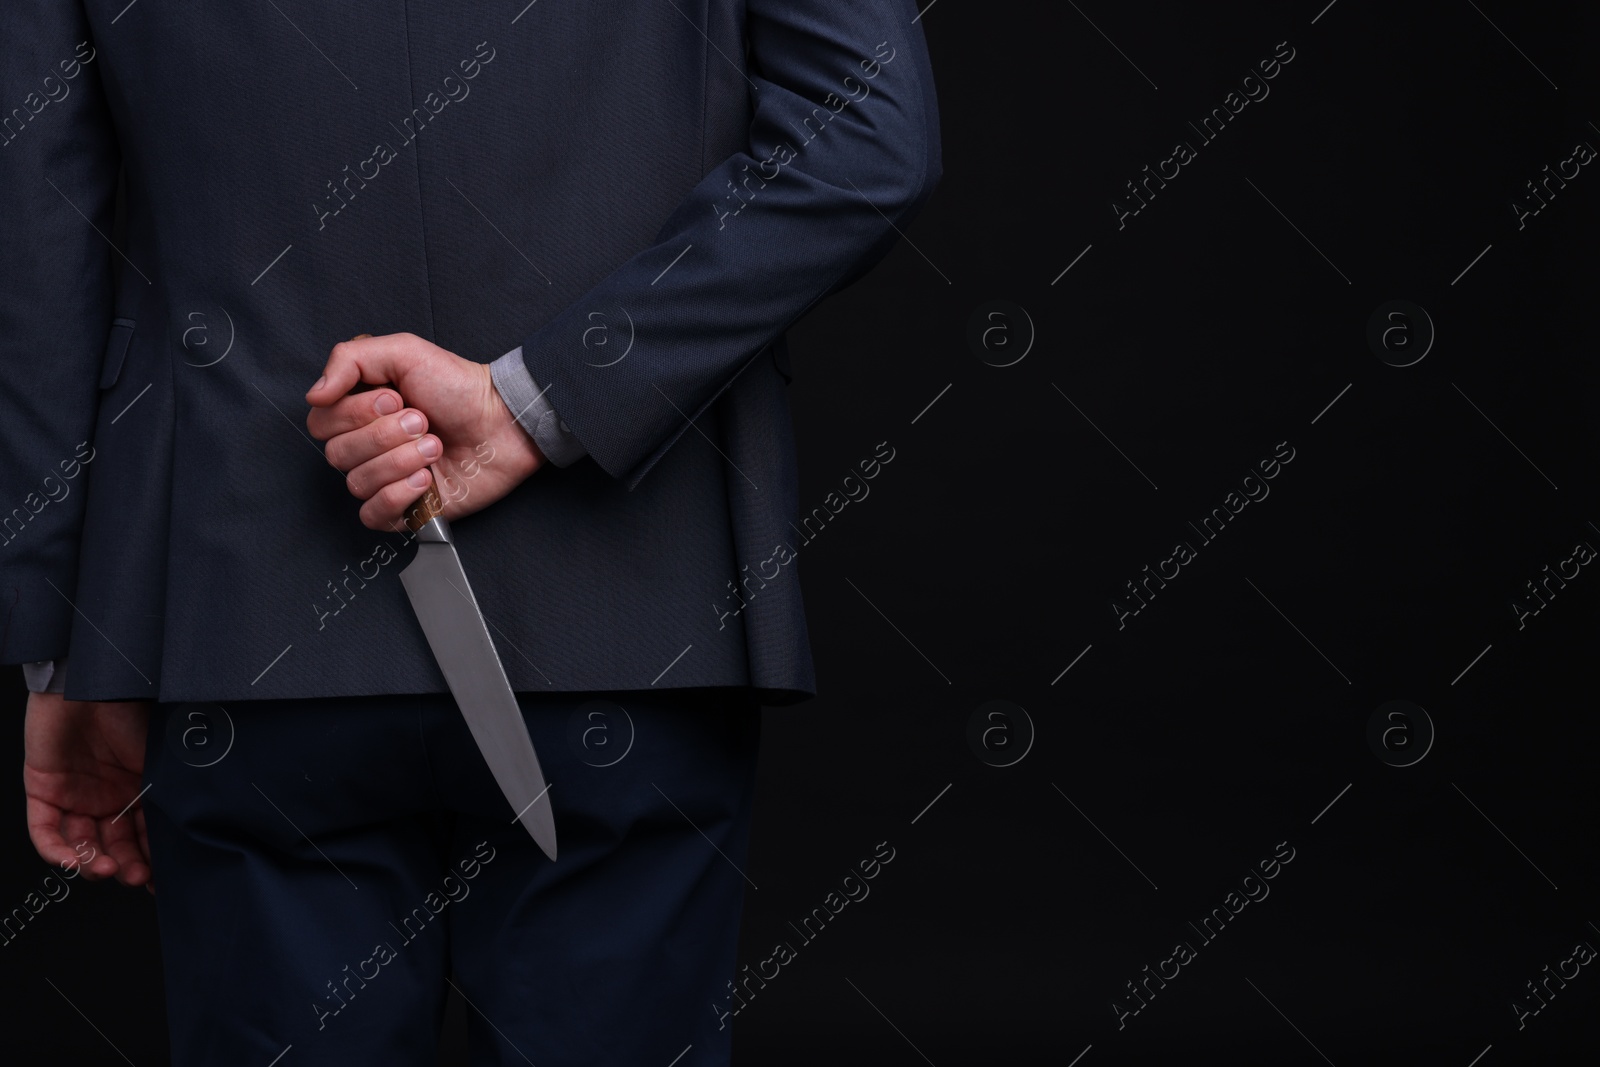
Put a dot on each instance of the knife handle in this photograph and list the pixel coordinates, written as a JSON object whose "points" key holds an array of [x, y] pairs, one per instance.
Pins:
{"points": [[430, 505]]}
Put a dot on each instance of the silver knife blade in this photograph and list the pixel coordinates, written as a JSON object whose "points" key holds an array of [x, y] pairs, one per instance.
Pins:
{"points": [[455, 629]]}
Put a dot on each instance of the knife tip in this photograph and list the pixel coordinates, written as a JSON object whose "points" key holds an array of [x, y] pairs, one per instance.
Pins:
{"points": [[543, 832]]}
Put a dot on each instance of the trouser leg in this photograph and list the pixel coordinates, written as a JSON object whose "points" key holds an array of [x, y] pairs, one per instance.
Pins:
{"points": [[281, 865], [620, 952]]}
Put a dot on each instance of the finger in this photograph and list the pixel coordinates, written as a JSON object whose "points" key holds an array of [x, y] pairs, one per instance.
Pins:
{"points": [[122, 843], [387, 507], [395, 465], [352, 412], [84, 835], [44, 830], [374, 360], [350, 450]]}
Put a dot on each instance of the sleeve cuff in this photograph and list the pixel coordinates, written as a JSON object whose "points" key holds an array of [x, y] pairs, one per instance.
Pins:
{"points": [[527, 402], [46, 676]]}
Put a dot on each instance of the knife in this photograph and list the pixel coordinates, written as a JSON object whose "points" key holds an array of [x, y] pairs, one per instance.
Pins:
{"points": [[456, 632]]}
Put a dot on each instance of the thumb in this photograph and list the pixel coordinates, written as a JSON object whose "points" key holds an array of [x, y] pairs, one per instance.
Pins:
{"points": [[363, 358]]}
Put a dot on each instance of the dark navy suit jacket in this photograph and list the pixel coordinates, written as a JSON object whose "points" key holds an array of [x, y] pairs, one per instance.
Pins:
{"points": [[643, 194]]}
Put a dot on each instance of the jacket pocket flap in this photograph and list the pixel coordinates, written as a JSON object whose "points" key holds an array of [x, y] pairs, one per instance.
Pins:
{"points": [[116, 350]]}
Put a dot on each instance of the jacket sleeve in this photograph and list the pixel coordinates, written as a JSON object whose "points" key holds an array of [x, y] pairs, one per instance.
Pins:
{"points": [[843, 150], [58, 175]]}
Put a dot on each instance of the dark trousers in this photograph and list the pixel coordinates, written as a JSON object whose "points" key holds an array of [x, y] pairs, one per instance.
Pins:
{"points": [[327, 869]]}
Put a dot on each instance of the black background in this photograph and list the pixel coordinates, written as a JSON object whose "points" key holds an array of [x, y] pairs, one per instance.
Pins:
{"points": [[1228, 714]]}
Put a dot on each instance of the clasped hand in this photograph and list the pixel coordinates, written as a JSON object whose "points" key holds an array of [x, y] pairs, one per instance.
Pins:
{"points": [[433, 410]]}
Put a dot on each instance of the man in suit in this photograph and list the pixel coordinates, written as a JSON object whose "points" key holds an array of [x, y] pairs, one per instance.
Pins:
{"points": [[579, 233]]}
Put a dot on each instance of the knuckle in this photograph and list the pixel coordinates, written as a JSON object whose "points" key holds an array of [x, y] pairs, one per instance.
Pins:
{"points": [[393, 430], [377, 439], [387, 505], [359, 412]]}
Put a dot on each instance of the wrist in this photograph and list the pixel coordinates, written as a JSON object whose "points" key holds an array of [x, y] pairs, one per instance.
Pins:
{"points": [[529, 404], [511, 438], [529, 456]]}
